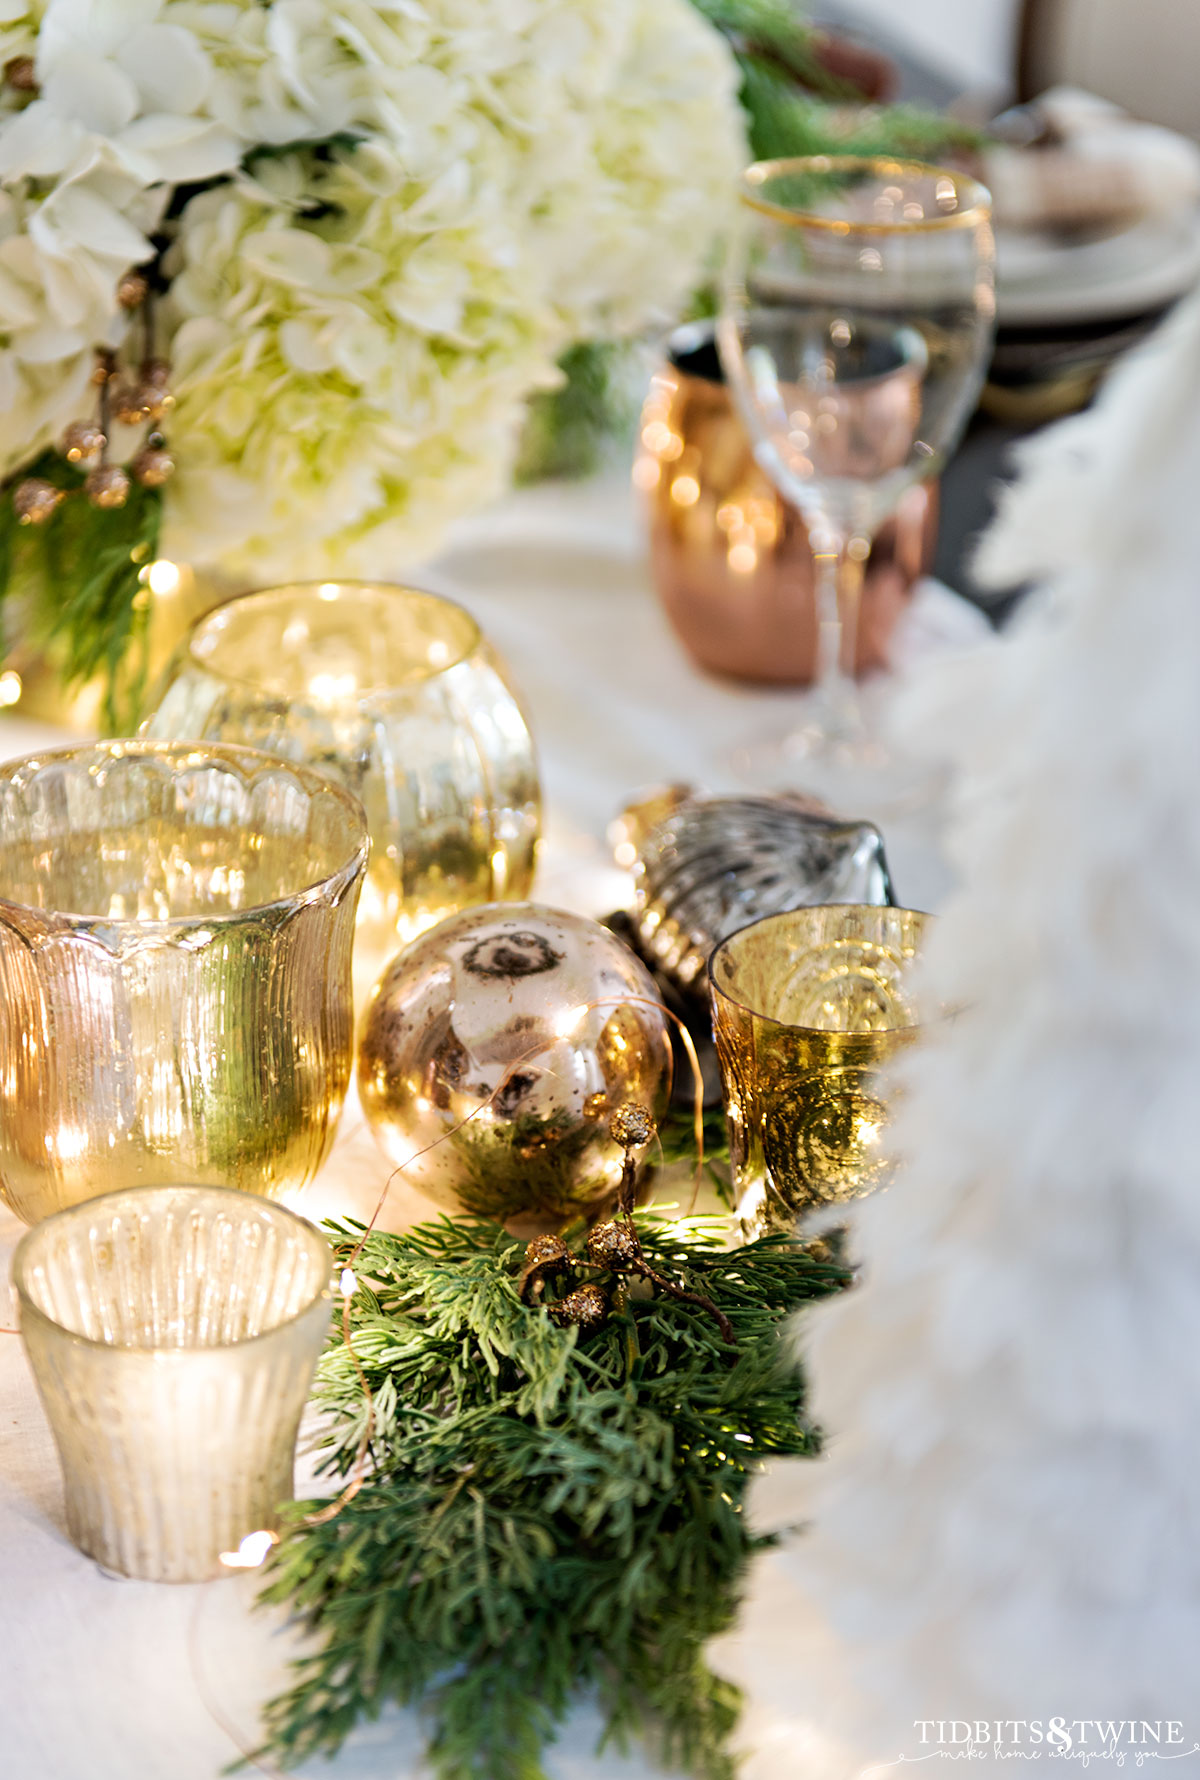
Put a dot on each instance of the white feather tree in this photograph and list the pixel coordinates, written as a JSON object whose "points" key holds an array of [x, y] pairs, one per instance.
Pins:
{"points": [[1007, 1522]]}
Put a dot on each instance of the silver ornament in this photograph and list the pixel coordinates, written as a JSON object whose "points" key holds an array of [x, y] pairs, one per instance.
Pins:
{"points": [[718, 863], [493, 1053]]}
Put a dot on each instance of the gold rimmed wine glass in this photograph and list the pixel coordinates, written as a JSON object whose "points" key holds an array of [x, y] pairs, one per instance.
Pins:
{"points": [[855, 329]]}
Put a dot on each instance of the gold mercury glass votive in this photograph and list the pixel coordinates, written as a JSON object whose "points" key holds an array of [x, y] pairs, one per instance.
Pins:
{"points": [[808, 1008], [176, 927], [173, 1333], [395, 693]]}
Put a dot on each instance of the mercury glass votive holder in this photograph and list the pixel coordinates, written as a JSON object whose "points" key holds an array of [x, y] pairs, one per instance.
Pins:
{"points": [[176, 929], [173, 1333], [809, 1008], [395, 693]]}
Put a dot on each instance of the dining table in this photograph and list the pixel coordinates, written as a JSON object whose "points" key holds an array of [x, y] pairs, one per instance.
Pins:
{"points": [[103, 1678]]}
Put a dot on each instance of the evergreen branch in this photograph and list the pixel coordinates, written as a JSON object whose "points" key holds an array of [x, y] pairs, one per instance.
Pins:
{"points": [[81, 574], [785, 121], [547, 1512]]}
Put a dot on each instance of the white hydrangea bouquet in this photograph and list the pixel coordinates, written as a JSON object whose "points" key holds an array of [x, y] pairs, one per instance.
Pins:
{"points": [[278, 277]]}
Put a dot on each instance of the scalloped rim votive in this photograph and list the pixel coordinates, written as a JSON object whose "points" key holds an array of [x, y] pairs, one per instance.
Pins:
{"points": [[176, 933], [252, 765]]}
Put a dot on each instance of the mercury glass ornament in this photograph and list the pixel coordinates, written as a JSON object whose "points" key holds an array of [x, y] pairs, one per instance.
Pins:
{"points": [[585, 1309], [132, 289], [21, 74], [493, 1053], [107, 486], [396, 694], [35, 500], [153, 466], [716, 864], [614, 1246], [83, 443], [173, 1333], [127, 402], [175, 996]]}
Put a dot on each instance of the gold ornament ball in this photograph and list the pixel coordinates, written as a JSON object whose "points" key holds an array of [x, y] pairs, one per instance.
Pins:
{"points": [[631, 1126], [547, 1253], [482, 1041], [35, 500], [153, 466], [612, 1245], [154, 392], [21, 74], [132, 290], [585, 1309], [107, 486], [83, 442], [128, 404]]}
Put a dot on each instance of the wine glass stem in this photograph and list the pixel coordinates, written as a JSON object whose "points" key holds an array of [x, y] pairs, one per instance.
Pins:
{"points": [[838, 589]]}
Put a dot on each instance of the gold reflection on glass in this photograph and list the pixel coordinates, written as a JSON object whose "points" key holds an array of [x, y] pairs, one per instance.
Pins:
{"points": [[807, 1009], [176, 927], [395, 693]]}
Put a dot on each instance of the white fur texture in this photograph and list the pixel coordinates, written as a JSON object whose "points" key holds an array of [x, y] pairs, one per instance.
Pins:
{"points": [[1007, 1520]]}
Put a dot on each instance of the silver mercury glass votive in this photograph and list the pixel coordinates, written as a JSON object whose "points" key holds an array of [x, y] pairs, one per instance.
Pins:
{"points": [[173, 1333]]}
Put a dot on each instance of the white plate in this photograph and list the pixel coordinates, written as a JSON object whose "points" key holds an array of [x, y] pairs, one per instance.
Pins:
{"points": [[1143, 267]]}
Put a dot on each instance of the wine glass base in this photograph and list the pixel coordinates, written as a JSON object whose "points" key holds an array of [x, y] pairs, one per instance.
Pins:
{"points": [[857, 774]]}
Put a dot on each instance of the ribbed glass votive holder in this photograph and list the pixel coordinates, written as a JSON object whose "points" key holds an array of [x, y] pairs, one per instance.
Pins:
{"points": [[173, 1333], [176, 927]]}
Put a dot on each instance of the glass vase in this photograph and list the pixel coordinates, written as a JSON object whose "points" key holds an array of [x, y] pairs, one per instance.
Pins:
{"points": [[173, 1333], [395, 693], [176, 926]]}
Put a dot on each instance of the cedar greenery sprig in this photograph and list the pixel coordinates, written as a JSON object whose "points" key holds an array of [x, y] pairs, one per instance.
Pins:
{"points": [[79, 579], [794, 105], [545, 1513]]}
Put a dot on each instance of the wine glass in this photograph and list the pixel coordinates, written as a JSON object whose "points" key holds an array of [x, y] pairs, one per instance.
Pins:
{"points": [[855, 329]]}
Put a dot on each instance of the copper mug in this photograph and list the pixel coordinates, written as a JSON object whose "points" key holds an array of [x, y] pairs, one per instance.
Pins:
{"points": [[731, 559]]}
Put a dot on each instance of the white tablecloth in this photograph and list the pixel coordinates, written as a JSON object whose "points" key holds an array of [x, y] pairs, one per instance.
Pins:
{"points": [[106, 1679]]}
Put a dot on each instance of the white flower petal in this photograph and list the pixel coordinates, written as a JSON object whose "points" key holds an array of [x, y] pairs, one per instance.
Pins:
{"points": [[98, 27], [293, 256], [91, 92], [18, 308], [178, 149], [303, 346], [169, 68], [46, 344], [73, 215], [38, 143], [74, 300], [515, 186]]}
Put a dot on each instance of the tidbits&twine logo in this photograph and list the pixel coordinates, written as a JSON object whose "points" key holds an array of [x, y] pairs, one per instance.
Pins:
{"points": [[1119, 1741]]}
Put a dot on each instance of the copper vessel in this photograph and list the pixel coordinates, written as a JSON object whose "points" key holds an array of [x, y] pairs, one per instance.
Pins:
{"points": [[731, 558]]}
